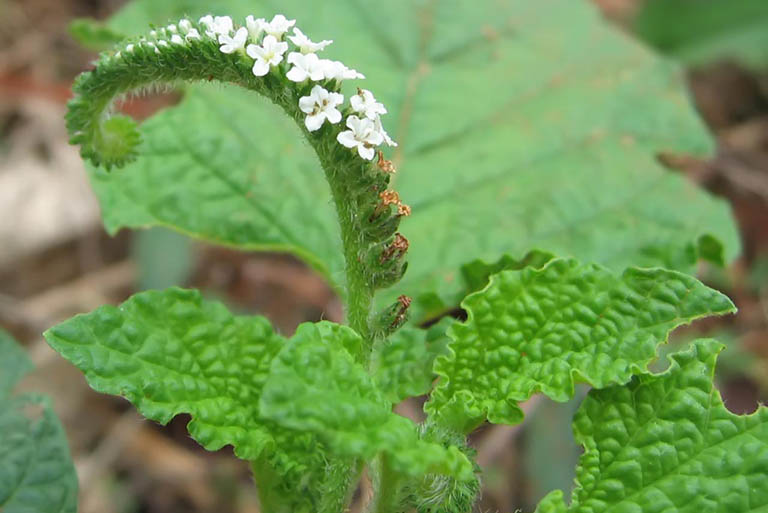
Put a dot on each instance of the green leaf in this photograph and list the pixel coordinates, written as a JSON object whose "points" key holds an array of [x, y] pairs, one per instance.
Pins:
{"points": [[701, 32], [36, 474], [667, 443], [520, 125], [171, 352], [316, 385], [541, 330], [403, 365], [257, 196], [163, 258], [93, 34], [14, 364]]}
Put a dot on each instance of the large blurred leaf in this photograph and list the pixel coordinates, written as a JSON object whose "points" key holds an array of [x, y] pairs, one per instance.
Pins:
{"points": [[667, 443], [522, 124], [36, 471], [701, 31]]}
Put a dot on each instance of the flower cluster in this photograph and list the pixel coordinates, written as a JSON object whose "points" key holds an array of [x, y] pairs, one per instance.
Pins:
{"points": [[264, 42]]}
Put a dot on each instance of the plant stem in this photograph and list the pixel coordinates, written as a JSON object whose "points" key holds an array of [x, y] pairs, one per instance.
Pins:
{"points": [[340, 484], [359, 299], [266, 480], [387, 487]]}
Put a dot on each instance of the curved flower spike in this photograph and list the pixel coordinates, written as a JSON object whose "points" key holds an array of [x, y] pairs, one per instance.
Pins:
{"points": [[231, 44], [319, 106], [362, 134], [270, 53], [304, 44]]}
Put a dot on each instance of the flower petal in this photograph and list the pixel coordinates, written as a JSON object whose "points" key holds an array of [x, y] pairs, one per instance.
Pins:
{"points": [[347, 138], [314, 122], [333, 115], [365, 152], [260, 67], [307, 104]]}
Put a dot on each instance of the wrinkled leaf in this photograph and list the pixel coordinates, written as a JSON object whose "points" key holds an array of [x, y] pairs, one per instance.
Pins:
{"points": [[542, 330], [404, 363], [36, 470], [171, 352], [667, 443], [316, 385]]}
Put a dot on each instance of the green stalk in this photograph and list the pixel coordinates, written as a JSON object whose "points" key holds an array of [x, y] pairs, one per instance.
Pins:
{"points": [[387, 485], [359, 292], [267, 481]]}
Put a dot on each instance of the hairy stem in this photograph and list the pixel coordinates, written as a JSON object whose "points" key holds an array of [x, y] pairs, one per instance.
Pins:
{"points": [[270, 497], [359, 292], [387, 485]]}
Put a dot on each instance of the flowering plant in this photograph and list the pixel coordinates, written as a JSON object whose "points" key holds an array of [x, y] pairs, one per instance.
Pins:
{"points": [[312, 411]]}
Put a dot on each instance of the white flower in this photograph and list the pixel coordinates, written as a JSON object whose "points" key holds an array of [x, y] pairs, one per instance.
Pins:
{"points": [[192, 34], [304, 43], [162, 42], [335, 70], [304, 66], [117, 55], [319, 106], [172, 28], [278, 26], [185, 26], [270, 53], [217, 26], [380, 129], [207, 22], [222, 25], [362, 134], [364, 103], [129, 47], [153, 33], [177, 40], [255, 26], [152, 45], [232, 44]]}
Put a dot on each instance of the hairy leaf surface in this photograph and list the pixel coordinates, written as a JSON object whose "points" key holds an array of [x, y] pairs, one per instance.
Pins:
{"points": [[316, 385], [541, 330], [36, 470], [171, 352], [667, 443], [521, 124]]}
